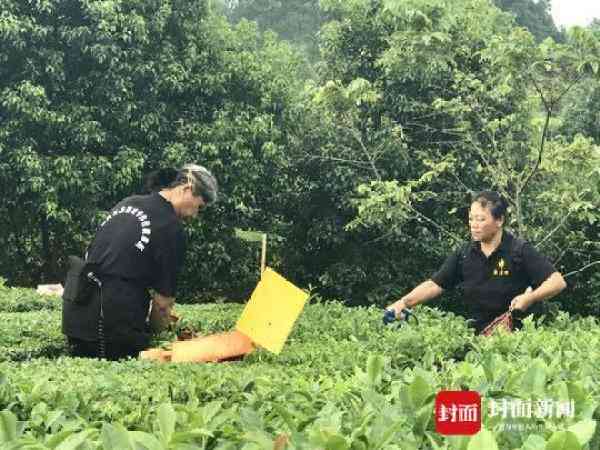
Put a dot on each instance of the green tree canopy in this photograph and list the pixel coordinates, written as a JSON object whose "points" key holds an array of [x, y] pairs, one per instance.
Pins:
{"points": [[297, 21], [96, 93], [535, 15]]}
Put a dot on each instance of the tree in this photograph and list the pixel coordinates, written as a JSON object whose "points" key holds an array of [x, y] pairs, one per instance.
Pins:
{"points": [[581, 111], [552, 200], [95, 94], [420, 104], [371, 121], [533, 15], [297, 21]]}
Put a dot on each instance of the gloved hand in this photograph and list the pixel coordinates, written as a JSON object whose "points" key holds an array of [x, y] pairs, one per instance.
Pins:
{"points": [[389, 316]]}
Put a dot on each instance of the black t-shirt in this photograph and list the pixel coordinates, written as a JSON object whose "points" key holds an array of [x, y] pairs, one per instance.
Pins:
{"points": [[140, 245], [143, 241], [490, 283]]}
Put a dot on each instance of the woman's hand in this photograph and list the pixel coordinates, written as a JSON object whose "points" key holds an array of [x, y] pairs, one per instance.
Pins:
{"points": [[520, 303], [160, 316], [397, 307]]}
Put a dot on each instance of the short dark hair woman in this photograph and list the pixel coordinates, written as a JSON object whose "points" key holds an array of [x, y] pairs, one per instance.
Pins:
{"points": [[494, 269], [139, 248]]}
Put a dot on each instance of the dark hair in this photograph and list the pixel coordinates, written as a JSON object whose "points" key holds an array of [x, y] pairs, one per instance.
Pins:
{"points": [[492, 200], [159, 179], [203, 182]]}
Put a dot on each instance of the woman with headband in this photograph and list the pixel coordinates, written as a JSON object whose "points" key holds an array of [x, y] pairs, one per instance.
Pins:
{"points": [[138, 249]]}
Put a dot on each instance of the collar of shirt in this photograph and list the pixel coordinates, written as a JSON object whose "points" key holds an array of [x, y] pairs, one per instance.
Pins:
{"points": [[503, 248], [166, 203]]}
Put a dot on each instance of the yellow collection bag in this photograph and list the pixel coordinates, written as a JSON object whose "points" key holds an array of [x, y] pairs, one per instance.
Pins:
{"points": [[270, 314], [266, 321]]}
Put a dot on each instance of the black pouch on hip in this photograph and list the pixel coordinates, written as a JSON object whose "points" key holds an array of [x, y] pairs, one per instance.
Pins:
{"points": [[78, 284]]}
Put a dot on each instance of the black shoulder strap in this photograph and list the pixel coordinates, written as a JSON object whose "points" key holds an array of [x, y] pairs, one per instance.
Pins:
{"points": [[464, 251], [516, 251]]}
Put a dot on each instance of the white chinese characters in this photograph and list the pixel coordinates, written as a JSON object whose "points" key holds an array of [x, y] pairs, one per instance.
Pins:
{"points": [[459, 413], [515, 408]]}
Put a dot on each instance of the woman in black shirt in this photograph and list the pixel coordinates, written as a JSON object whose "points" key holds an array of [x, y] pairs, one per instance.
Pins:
{"points": [[494, 269], [139, 247]]}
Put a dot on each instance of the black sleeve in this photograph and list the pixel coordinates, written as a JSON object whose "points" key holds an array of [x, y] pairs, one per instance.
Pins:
{"points": [[169, 258], [536, 265], [448, 275]]}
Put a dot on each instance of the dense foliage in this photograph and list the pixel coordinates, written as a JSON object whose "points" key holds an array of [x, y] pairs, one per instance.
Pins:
{"points": [[95, 94], [344, 381], [353, 133], [358, 164], [532, 14], [297, 21], [21, 300]]}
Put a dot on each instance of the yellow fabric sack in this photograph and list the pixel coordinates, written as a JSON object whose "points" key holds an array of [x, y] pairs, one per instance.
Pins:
{"points": [[272, 311]]}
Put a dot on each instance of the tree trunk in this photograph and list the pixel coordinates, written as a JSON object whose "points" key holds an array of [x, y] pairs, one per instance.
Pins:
{"points": [[45, 234]]}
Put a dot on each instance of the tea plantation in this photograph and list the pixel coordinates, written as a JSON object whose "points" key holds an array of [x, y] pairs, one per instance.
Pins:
{"points": [[343, 381]]}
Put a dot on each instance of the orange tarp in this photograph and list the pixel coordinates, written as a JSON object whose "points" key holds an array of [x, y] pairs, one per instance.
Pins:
{"points": [[156, 354], [266, 322], [213, 348]]}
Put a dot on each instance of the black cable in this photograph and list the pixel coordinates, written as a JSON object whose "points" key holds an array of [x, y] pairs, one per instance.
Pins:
{"points": [[101, 339]]}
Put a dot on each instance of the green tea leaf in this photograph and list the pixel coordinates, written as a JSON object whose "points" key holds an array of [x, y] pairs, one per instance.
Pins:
{"points": [[166, 421], [584, 430], [115, 436], [534, 442], [563, 440], [8, 427], [459, 442], [483, 440], [534, 380], [145, 440], [419, 390], [76, 441], [375, 365]]}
